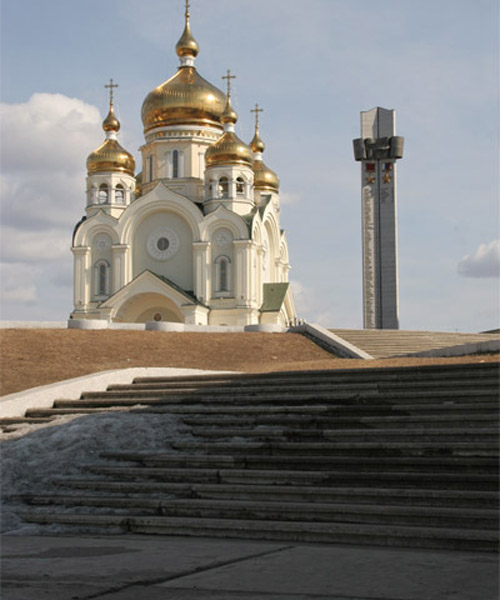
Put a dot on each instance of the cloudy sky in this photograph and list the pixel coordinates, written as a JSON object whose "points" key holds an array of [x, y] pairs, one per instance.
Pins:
{"points": [[313, 66]]}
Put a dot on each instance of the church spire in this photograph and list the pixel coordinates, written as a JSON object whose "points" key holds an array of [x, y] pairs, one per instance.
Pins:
{"points": [[257, 145], [111, 124], [187, 47]]}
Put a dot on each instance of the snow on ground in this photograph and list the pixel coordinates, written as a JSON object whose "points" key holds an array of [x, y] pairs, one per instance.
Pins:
{"points": [[35, 455]]}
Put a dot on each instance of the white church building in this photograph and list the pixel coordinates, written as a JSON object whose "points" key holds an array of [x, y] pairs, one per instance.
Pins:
{"points": [[194, 238]]}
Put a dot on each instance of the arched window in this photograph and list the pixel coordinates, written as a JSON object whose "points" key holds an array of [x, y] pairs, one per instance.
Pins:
{"points": [[223, 273], [120, 194], [223, 187], [175, 164], [103, 194], [222, 276], [240, 185], [151, 167], [101, 280]]}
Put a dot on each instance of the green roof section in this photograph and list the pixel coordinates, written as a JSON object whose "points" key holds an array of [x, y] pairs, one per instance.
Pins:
{"points": [[274, 296]]}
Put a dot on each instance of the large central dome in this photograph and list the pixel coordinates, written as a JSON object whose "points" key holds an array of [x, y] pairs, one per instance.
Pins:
{"points": [[184, 99]]}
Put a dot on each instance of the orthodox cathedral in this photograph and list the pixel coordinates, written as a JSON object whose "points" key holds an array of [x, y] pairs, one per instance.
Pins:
{"points": [[195, 237]]}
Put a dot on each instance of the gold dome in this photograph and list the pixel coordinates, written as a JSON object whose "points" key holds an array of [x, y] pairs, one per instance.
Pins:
{"points": [[264, 178], [187, 45], [228, 150], [110, 156], [257, 145], [184, 99], [111, 123]]}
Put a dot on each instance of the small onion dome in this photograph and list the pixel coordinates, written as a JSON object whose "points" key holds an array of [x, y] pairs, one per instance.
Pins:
{"points": [[184, 99], [228, 150], [110, 156], [264, 178], [187, 45], [229, 115], [257, 145], [111, 123]]}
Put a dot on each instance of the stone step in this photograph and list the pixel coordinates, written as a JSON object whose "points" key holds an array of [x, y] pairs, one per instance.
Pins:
{"points": [[436, 448], [360, 463], [447, 410], [334, 422], [298, 384], [346, 533], [9, 424], [481, 434], [299, 393], [341, 494], [295, 477], [378, 374], [276, 511], [104, 399]]}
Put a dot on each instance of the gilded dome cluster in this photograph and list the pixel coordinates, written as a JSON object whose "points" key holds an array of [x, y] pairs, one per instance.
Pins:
{"points": [[186, 98], [229, 149], [110, 156]]}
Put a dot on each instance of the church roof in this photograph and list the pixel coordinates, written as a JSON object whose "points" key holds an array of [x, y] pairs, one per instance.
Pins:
{"points": [[274, 296]]}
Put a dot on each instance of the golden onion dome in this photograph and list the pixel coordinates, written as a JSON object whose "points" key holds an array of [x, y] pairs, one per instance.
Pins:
{"points": [[184, 99], [257, 145], [228, 150], [187, 45], [111, 123], [264, 178], [110, 156]]}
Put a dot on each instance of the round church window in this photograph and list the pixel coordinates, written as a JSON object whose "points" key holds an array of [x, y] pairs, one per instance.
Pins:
{"points": [[163, 243], [157, 317]]}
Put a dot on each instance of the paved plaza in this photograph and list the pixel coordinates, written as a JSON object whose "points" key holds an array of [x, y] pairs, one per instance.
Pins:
{"points": [[156, 567]]}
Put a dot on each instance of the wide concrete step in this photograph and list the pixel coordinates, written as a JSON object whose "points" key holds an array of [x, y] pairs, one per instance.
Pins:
{"points": [[307, 421], [361, 463], [482, 434], [302, 384], [290, 511], [417, 448], [447, 409], [379, 374], [272, 477], [284, 493], [8, 425], [103, 399], [346, 533]]}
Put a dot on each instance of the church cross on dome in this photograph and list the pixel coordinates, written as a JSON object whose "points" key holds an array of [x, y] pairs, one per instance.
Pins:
{"points": [[228, 77], [187, 9], [256, 110], [111, 85]]}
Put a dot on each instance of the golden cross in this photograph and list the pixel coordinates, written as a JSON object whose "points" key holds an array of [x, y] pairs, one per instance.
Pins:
{"points": [[111, 85], [256, 110], [187, 9], [228, 77]]}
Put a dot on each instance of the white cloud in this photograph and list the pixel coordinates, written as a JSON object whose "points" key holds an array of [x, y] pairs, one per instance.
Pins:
{"points": [[35, 246], [484, 262], [18, 284], [45, 145]]}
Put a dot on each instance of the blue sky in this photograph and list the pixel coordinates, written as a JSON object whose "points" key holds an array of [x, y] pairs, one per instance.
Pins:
{"points": [[313, 66]]}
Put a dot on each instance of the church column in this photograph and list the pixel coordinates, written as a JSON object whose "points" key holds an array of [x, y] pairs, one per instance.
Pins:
{"points": [[82, 274], [120, 254], [243, 271], [202, 271]]}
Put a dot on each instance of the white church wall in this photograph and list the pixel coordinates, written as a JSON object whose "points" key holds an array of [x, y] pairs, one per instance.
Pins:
{"points": [[174, 259]]}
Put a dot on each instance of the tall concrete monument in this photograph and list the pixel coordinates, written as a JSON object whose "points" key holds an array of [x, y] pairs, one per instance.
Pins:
{"points": [[378, 149]]}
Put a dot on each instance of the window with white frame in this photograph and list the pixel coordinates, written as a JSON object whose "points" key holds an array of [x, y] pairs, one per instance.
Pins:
{"points": [[240, 186], [120, 194], [101, 278], [151, 168], [223, 276], [103, 196], [223, 187]]}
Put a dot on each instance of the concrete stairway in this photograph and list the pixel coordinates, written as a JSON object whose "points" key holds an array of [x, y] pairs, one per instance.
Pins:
{"points": [[394, 456], [384, 343]]}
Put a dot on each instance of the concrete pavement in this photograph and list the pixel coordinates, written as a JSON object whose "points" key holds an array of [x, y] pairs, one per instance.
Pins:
{"points": [[156, 567]]}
